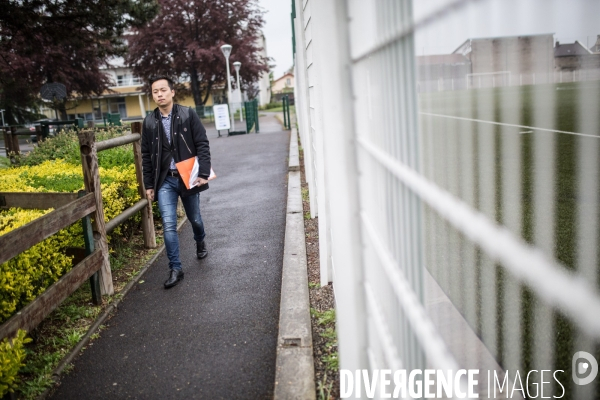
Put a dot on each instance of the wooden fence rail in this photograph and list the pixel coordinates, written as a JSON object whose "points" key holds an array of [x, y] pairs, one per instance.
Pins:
{"points": [[118, 141], [21, 239], [38, 201], [31, 315], [26, 236]]}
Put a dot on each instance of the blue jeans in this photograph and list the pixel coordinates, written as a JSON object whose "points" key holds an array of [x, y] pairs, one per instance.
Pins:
{"points": [[167, 197]]}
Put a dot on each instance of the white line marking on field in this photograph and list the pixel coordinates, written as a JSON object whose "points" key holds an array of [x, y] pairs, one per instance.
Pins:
{"points": [[525, 132], [513, 125]]}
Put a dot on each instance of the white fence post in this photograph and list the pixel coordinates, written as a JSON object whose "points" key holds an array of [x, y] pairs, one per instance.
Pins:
{"points": [[341, 173], [303, 62], [321, 64]]}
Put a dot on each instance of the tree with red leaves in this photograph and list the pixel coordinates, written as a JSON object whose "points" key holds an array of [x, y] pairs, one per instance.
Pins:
{"points": [[184, 42], [43, 41]]}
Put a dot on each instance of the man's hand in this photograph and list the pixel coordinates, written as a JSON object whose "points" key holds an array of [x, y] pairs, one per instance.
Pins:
{"points": [[150, 194], [199, 182]]}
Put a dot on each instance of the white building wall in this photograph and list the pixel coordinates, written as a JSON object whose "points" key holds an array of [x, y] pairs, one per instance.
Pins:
{"points": [[264, 85]]}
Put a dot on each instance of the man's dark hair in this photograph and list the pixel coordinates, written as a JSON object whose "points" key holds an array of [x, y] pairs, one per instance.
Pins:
{"points": [[159, 77]]}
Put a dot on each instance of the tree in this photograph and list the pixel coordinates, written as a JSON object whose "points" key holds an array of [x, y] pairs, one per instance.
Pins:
{"points": [[44, 41], [184, 40]]}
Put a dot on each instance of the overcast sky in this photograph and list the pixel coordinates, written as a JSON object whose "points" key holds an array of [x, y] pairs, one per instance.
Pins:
{"points": [[278, 32], [568, 20]]}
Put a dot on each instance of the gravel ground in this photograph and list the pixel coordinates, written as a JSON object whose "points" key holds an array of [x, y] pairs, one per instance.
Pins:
{"points": [[322, 304]]}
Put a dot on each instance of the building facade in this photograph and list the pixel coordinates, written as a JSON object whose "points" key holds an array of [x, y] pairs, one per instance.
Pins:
{"points": [[284, 83], [263, 85]]}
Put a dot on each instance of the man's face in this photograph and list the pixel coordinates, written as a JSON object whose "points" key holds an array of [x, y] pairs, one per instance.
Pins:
{"points": [[161, 93]]}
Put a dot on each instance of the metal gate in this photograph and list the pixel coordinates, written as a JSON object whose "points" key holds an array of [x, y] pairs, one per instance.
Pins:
{"points": [[251, 113]]}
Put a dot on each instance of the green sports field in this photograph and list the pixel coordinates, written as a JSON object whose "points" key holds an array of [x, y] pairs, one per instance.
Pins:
{"points": [[526, 157]]}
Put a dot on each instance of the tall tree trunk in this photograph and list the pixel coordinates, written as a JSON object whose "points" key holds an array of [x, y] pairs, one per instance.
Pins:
{"points": [[196, 87], [210, 85], [62, 109]]}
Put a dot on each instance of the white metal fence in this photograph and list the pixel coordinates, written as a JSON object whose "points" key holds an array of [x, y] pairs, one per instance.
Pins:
{"points": [[505, 78], [459, 228]]}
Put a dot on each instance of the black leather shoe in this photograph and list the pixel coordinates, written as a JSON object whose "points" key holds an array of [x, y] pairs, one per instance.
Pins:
{"points": [[174, 278], [201, 251]]}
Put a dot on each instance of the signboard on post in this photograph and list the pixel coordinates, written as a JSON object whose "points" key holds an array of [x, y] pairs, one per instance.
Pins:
{"points": [[221, 112]]}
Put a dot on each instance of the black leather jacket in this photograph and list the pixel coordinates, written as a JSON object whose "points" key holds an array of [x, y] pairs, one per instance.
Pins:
{"points": [[189, 140]]}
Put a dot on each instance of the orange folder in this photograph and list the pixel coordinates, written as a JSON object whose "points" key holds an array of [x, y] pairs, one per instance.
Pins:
{"points": [[188, 169]]}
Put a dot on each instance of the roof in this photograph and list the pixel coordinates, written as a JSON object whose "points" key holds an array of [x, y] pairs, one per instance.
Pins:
{"points": [[283, 76], [442, 59], [499, 38], [570, 49]]}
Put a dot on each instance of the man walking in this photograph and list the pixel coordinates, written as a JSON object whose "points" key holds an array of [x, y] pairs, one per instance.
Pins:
{"points": [[170, 134]]}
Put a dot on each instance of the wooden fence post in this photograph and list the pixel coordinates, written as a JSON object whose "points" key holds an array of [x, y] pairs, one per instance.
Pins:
{"points": [[7, 141], [38, 134], [147, 217], [91, 179], [12, 143], [88, 240], [15, 140]]}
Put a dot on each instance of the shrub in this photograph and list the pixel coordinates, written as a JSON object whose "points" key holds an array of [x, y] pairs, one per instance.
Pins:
{"points": [[269, 106], [65, 146], [12, 355]]}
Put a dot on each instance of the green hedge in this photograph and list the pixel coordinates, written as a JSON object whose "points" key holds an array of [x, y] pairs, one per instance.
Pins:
{"points": [[12, 355]]}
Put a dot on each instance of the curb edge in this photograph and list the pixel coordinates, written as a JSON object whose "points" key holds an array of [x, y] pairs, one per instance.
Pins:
{"points": [[294, 370]]}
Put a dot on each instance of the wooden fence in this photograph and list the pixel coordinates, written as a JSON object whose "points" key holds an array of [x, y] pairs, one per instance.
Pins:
{"points": [[70, 207]]}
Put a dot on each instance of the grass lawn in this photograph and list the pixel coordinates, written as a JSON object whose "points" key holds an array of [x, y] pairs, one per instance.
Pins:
{"points": [[493, 167], [280, 109]]}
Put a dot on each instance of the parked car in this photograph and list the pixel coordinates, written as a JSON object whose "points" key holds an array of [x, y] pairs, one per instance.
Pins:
{"points": [[27, 128], [52, 128]]}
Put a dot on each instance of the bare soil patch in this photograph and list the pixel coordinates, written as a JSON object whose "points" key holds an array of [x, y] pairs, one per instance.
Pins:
{"points": [[322, 304]]}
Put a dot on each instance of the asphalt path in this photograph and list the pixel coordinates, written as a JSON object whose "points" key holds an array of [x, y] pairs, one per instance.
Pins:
{"points": [[214, 335]]}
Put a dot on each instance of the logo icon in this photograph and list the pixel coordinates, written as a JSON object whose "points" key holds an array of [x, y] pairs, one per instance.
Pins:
{"points": [[585, 368]]}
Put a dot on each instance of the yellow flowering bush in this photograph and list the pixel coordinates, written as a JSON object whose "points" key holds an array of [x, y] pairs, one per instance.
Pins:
{"points": [[12, 355], [118, 184]]}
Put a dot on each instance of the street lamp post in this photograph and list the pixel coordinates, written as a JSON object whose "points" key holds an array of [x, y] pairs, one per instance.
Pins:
{"points": [[226, 49], [237, 65]]}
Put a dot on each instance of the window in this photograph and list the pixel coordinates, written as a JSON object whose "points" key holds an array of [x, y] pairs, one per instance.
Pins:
{"points": [[288, 82], [117, 105], [97, 109], [128, 80], [84, 116]]}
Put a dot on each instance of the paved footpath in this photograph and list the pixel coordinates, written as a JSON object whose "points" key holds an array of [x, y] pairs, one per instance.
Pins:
{"points": [[214, 335]]}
